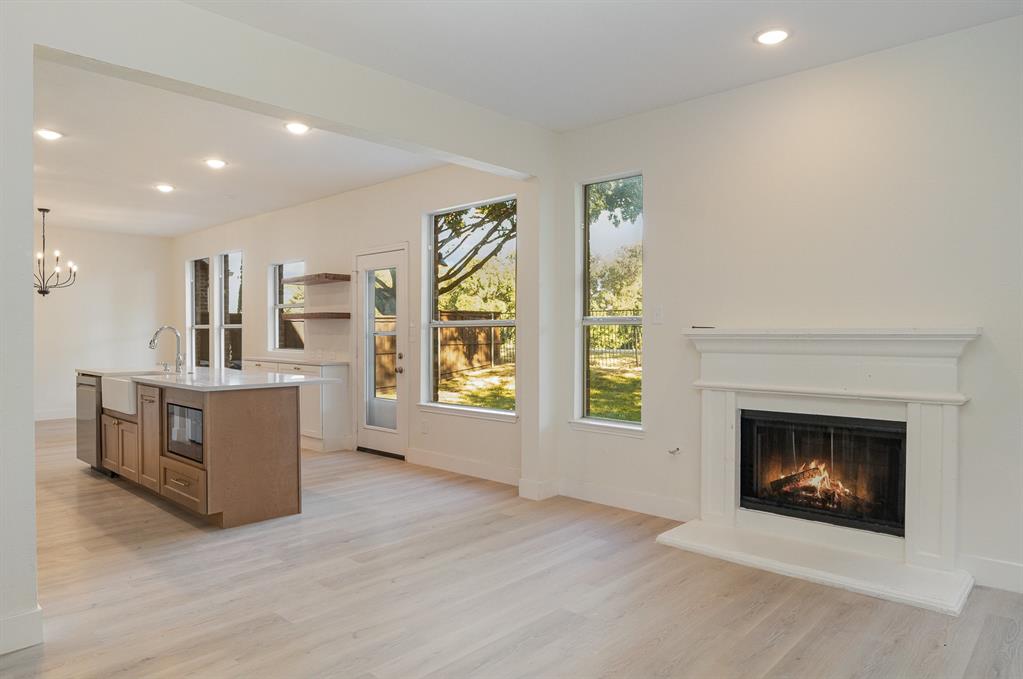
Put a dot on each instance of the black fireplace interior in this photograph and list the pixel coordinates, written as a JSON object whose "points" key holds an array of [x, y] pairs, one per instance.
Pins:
{"points": [[840, 470]]}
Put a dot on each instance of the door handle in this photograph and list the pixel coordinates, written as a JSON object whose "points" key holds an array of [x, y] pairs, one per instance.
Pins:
{"points": [[399, 370], [401, 355]]}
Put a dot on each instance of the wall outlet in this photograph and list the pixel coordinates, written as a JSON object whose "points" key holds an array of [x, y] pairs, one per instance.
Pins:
{"points": [[424, 426], [657, 315]]}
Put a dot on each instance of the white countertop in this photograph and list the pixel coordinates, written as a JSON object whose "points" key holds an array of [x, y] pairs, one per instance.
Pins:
{"points": [[116, 372], [216, 379], [292, 361]]}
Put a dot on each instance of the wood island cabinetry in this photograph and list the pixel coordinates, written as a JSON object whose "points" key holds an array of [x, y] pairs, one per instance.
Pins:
{"points": [[150, 422], [120, 446], [231, 455]]}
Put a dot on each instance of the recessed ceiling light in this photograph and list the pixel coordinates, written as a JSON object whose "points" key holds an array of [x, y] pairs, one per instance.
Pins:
{"points": [[216, 163], [772, 37], [164, 188], [49, 135], [296, 128]]}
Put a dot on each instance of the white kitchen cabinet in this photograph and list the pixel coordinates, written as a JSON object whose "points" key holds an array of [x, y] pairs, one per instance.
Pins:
{"points": [[325, 409], [310, 398], [268, 366]]}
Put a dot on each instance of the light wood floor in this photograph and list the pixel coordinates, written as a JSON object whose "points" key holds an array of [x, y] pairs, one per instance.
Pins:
{"points": [[396, 571]]}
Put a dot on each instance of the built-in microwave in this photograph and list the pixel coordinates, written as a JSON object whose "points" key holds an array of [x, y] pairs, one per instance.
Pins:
{"points": [[184, 431]]}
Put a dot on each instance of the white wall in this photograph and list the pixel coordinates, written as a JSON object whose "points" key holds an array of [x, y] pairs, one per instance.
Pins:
{"points": [[882, 191], [122, 295], [327, 234], [21, 622], [143, 41]]}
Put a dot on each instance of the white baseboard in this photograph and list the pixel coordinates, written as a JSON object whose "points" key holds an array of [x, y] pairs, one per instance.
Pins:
{"points": [[313, 443], [995, 573], [54, 414], [461, 465], [21, 630], [537, 490], [637, 501]]}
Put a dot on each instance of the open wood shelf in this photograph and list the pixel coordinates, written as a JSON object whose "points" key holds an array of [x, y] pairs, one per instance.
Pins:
{"points": [[317, 315], [317, 279]]}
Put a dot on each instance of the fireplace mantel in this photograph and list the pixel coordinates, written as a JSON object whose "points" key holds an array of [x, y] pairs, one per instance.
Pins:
{"points": [[906, 365], [935, 343], [900, 374]]}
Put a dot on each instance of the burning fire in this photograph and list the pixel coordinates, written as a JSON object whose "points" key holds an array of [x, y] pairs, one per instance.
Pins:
{"points": [[812, 476]]}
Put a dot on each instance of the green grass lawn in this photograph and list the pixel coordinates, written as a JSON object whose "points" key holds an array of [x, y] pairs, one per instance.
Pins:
{"points": [[490, 387], [615, 393]]}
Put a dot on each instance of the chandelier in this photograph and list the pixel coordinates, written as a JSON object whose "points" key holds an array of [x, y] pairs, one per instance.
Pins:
{"points": [[44, 282]]}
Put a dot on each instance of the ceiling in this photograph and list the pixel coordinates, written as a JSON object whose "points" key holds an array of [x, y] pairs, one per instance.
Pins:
{"points": [[564, 64], [122, 138]]}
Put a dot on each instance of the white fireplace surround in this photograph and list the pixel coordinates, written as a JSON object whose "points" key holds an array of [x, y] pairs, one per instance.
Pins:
{"points": [[906, 375]]}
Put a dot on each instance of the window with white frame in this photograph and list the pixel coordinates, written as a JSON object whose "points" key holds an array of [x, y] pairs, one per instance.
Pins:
{"points": [[472, 300], [230, 334], [199, 312], [612, 321], [288, 300]]}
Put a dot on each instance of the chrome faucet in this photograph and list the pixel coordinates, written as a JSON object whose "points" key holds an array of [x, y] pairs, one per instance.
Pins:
{"points": [[179, 360]]}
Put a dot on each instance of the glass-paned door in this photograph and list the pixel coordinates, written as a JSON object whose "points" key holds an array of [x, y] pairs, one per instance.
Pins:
{"points": [[383, 348]]}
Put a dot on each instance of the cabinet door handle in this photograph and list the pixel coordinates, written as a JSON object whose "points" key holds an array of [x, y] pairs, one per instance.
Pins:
{"points": [[184, 484], [295, 367]]}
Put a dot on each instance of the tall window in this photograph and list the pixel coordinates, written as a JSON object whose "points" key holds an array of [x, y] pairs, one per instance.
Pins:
{"points": [[288, 300], [472, 322], [613, 300], [231, 305], [199, 320]]}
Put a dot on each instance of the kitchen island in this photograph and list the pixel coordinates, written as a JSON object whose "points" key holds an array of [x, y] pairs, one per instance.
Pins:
{"points": [[222, 443]]}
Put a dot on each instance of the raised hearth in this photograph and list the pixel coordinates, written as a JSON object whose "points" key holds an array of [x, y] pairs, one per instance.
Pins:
{"points": [[832, 455]]}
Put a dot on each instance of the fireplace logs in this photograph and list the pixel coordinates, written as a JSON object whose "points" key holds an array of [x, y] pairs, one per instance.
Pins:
{"points": [[793, 481]]}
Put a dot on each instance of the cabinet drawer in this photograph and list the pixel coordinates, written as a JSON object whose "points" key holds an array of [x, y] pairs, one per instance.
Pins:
{"points": [[313, 370], [259, 365], [183, 484]]}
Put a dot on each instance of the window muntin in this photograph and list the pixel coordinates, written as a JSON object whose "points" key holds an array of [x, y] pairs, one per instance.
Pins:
{"points": [[613, 299], [231, 309], [473, 297], [199, 317], [288, 300]]}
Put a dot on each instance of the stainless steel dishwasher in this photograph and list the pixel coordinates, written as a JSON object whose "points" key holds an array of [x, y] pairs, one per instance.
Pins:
{"points": [[88, 410]]}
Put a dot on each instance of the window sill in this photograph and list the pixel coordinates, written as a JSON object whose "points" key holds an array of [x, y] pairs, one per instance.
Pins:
{"points": [[468, 411], [634, 431]]}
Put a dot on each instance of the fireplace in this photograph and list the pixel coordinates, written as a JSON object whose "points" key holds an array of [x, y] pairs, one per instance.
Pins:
{"points": [[840, 470], [874, 476]]}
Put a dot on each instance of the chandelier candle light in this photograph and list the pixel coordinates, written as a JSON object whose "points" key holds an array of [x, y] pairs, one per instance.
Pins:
{"points": [[45, 282]]}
